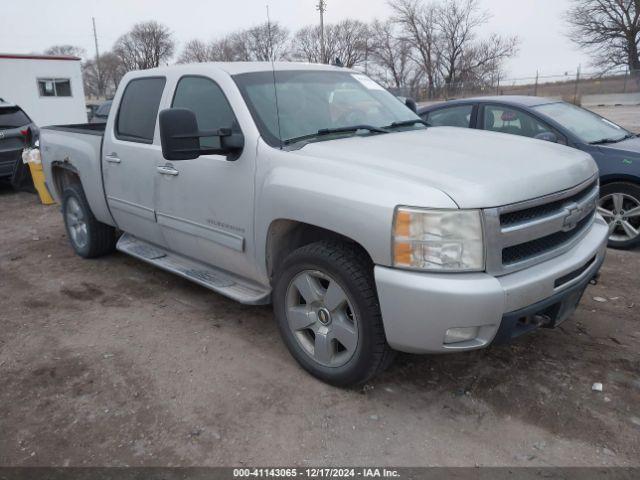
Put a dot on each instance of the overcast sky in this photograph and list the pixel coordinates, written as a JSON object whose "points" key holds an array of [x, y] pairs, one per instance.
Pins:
{"points": [[538, 23]]}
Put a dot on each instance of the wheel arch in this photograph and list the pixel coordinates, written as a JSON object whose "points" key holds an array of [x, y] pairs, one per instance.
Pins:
{"points": [[63, 175], [285, 235], [619, 177]]}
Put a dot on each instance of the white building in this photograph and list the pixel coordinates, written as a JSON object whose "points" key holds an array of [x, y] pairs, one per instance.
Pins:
{"points": [[47, 87]]}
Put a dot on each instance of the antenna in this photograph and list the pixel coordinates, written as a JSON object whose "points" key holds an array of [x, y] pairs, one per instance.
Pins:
{"points": [[273, 72]]}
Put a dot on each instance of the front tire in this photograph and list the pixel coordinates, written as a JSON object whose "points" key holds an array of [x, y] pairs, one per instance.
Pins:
{"points": [[619, 204], [89, 237], [327, 311]]}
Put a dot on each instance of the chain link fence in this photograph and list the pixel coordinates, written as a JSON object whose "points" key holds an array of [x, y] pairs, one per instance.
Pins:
{"points": [[582, 88]]}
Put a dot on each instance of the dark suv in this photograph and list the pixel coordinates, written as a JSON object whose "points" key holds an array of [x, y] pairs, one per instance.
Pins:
{"points": [[17, 131]]}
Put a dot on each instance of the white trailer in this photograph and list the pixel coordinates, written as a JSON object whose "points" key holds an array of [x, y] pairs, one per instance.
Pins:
{"points": [[47, 87]]}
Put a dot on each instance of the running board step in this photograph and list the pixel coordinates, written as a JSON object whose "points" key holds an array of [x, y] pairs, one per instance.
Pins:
{"points": [[209, 277]]}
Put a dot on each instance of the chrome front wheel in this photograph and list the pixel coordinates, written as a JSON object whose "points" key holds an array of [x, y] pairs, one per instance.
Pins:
{"points": [[622, 213], [321, 318]]}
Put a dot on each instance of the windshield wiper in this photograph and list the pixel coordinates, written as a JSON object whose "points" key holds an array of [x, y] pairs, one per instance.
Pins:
{"points": [[330, 131], [614, 140], [408, 123]]}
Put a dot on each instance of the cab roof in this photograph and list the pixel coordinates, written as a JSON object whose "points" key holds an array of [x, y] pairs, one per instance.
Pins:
{"points": [[236, 68]]}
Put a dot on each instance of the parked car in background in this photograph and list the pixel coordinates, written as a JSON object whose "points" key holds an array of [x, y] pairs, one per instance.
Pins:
{"points": [[368, 231], [101, 113], [615, 149], [17, 131]]}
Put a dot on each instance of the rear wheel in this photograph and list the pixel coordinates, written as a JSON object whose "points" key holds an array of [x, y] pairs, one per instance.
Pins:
{"points": [[89, 237], [619, 204], [327, 311]]}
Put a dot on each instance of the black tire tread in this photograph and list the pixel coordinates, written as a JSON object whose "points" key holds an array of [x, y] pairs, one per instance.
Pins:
{"points": [[102, 237], [351, 258]]}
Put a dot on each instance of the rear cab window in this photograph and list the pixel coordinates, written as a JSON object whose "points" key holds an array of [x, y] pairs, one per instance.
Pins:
{"points": [[458, 116], [13, 117], [138, 111]]}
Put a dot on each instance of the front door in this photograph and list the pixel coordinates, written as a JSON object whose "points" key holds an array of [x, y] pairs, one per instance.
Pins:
{"points": [[131, 152], [205, 206]]}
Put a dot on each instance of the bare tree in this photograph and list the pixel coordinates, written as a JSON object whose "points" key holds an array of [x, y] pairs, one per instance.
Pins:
{"points": [[418, 23], [306, 45], [457, 22], [266, 42], [195, 51], [346, 41], [147, 45], [609, 29], [391, 53], [111, 72], [70, 50]]}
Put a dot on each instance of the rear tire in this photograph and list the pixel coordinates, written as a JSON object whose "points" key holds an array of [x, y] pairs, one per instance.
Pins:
{"points": [[619, 204], [330, 287], [89, 237]]}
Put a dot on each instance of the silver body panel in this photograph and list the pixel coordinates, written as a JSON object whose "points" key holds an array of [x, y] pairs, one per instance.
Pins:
{"points": [[219, 213]]}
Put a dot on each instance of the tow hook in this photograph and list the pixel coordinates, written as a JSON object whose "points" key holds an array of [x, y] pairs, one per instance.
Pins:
{"points": [[540, 320], [594, 280]]}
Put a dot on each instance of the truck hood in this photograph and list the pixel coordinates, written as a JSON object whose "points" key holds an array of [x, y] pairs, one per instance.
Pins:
{"points": [[476, 169]]}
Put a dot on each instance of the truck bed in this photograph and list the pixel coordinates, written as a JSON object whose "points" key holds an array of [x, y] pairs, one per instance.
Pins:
{"points": [[86, 128], [78, 148]]}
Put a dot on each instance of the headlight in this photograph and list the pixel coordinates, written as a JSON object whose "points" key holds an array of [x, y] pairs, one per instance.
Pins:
{"points": [[439, 240]]}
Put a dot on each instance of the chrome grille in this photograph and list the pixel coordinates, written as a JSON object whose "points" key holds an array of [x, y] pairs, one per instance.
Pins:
{"points": [[526, 233]]}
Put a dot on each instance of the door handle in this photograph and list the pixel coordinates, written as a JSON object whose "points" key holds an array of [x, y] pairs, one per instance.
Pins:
{"points": [[112, 157], [167, 170]]}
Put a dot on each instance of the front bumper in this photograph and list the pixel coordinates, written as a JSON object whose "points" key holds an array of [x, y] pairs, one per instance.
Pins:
{"points": [[419, 308]]}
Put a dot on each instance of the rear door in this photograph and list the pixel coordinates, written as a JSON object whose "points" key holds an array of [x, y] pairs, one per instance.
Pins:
{"points": [[12, 140], [130, 155]]}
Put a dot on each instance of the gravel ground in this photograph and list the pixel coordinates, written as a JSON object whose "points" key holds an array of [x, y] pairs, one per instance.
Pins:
{"points": [[113, 362]]}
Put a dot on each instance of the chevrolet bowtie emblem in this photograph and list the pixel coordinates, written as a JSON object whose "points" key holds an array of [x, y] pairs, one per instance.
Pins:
{"points": [[574, 214]]}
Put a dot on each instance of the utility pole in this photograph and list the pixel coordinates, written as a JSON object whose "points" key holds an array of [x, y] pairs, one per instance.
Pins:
{"points": [[95, 38], [321, 7]]}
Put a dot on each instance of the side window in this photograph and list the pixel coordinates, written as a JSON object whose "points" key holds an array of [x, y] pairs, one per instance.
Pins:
{"points": [[512, 121], [54, 87], [138, 111], [459, 116], [205, 98]]}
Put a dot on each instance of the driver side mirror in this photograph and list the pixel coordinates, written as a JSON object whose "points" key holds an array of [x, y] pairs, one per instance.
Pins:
{"points": [[180, 136], [547, 137], [410, 103]]}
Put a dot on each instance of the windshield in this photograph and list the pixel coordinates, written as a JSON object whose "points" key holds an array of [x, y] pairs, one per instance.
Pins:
{"points": [[313, 101], [587, 126], [13, 117]]}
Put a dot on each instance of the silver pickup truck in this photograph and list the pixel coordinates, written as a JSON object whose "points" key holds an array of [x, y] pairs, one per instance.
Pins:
{"points": [[315, 189]]}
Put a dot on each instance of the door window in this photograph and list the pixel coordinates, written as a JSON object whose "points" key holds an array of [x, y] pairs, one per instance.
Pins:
{"points": [[138, 111], [458, 116], [206, 99], [515, 122]]}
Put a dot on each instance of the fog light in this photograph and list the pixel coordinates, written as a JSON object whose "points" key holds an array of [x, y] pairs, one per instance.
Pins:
{"points": [[460, 334]]}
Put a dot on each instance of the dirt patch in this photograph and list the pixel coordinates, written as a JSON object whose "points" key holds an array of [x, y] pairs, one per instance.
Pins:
{"points": [[113, 362]]}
